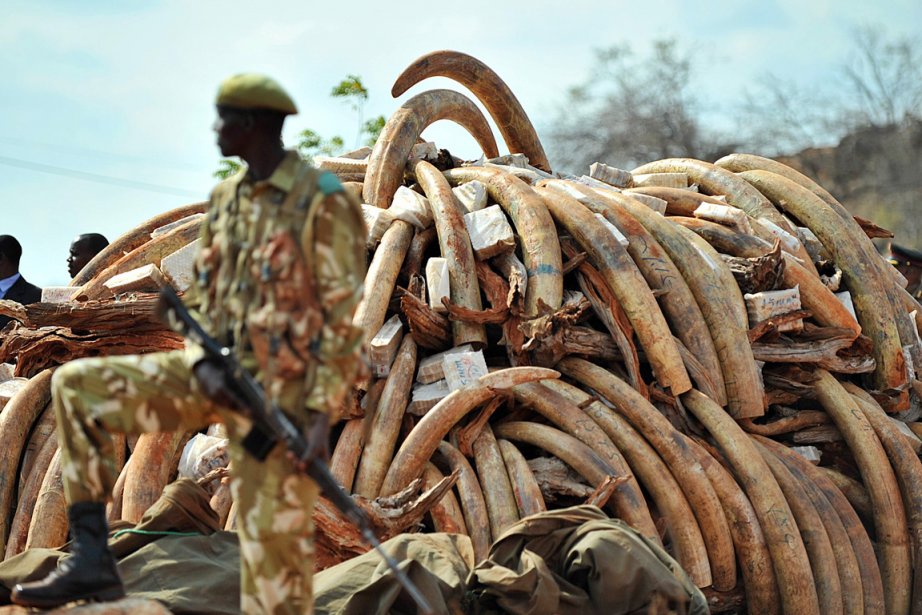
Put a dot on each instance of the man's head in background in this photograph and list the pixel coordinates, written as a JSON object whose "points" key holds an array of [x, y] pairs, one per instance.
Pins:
{"points": [[82, 251], [10, 253]]}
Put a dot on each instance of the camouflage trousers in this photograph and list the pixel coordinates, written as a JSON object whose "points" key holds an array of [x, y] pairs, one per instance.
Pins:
{"points": [[157, 392]]}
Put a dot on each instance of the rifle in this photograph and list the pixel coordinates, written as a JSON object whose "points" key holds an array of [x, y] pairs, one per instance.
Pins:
{"points": [[271, 426]]}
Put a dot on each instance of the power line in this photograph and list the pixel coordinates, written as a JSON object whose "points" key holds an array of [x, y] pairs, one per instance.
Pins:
{"points": [[96, 177]]}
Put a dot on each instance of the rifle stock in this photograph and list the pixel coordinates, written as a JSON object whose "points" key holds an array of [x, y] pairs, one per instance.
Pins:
{"points": [[274, 426]]}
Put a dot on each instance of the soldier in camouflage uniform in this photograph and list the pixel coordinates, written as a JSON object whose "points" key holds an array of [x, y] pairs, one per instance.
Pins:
{"points": [[280, 272]]}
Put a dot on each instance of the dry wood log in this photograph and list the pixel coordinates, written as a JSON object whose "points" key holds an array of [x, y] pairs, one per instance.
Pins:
{"points": [[16, 420], [500, 102], [422, 441], [336, 539], [40, 349], [789, 557], [557, 480], [403, 127], [428, 328], [883, 489]]}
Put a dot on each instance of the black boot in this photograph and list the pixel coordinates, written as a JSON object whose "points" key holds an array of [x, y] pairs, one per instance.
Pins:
{"points": [[89, 573]]}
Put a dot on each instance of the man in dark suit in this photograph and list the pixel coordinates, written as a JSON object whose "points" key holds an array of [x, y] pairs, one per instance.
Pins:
{"points": [[13, 287]]}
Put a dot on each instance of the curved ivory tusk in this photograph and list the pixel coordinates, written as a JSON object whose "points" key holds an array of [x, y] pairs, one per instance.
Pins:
{"points": [[627, 502], [382, 277], [679, 202], [15, 422], [385, 426], [688, 537], [389, 157], [446, 513], [501, 103], [871, 583], [813, 532], [720, 300], [150, 471], [869, 291], [151, 251], [677, 301], [473, 505], [528, 496], [456, 249], [628, 285], [345, 458], [19, 528], [535, 228], [906, 465], [494, 482], [672, 447], [762, 595], [423, 440], [715, 180], [789, 556]]}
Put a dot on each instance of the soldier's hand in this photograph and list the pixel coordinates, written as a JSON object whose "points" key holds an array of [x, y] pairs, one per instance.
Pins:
{"points": [[212, 380], [317, 434]]}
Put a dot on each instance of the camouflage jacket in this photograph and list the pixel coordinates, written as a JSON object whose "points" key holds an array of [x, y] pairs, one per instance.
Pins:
{"points": [[279, 274]]}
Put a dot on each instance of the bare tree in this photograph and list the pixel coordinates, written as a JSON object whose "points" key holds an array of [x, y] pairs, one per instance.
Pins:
{"points": [[631, 110], [778, 116], [886, 77]]}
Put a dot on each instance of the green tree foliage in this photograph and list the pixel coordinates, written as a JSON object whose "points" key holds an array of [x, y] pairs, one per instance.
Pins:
{"points": [[227, 168]]}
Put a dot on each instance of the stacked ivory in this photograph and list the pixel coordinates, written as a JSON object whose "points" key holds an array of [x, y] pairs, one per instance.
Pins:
{"points": [[712, 352]]}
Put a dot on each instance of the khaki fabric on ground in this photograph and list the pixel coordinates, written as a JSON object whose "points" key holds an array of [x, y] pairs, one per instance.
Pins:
{"points": [[436, 563], [578, 561]]}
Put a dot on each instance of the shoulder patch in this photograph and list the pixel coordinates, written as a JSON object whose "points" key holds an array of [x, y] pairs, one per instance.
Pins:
{"points": [[329, 183]]}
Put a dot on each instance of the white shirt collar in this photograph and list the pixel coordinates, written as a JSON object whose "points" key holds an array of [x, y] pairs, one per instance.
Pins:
{"points": [[7, 283]]}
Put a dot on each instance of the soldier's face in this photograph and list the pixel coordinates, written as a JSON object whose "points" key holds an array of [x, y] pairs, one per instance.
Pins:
{"points": [[232, 127]]}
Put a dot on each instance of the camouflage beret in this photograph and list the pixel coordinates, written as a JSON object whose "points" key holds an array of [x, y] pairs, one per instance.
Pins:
{"points": [[254, 91]]}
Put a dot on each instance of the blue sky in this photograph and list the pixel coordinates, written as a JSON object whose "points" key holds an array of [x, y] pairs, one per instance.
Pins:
{"points": [[116, 98]]}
